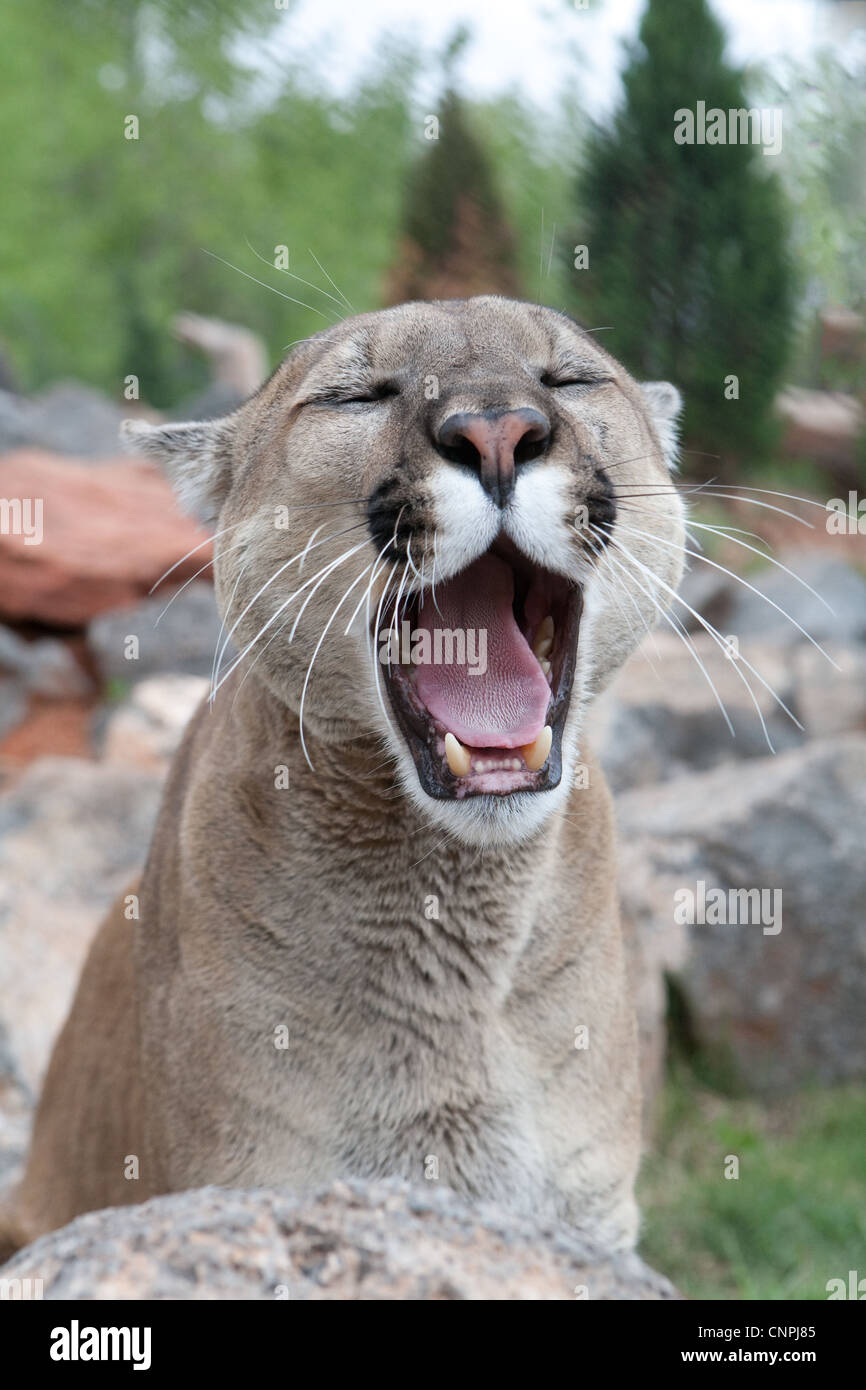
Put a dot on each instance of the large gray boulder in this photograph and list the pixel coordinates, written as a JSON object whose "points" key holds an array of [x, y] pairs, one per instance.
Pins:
{"points": [[841, 587], [177, 633], [68, 418], [353, 1241], [660, 718], [781, 992]]}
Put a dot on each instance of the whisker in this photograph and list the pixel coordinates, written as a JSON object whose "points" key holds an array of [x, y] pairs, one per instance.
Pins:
{"points": [[344, 297], [677, 626], [214, 670], [282, 270], [696, 554], [720, 642], [208, 540], [324, 634], [256, 281], [280, 570], [177, 593], [328, 569]]}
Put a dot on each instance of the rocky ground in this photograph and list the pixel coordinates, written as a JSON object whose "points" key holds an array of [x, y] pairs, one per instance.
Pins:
{"points": [[369, 1241], [86, 734]]}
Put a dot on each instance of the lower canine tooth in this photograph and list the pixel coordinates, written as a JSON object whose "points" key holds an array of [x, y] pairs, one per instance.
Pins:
{"points": [[459, 758], [546, 668], [535, 754]]}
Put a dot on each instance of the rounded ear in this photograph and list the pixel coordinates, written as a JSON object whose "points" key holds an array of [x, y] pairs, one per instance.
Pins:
{"points": [[665, 403], [196, 457]]}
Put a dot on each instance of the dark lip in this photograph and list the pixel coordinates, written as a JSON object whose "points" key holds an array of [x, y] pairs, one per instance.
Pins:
{"points": [[421, 732]]}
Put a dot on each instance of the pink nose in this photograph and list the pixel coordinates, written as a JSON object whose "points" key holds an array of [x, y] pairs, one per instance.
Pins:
{"points": [[494, 445]]}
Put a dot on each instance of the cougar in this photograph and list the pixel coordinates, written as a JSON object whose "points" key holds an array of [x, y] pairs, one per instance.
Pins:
{"points": [[377, 932]]}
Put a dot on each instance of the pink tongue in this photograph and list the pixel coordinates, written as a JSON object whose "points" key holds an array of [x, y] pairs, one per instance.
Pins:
{"points": [[506, 706]]}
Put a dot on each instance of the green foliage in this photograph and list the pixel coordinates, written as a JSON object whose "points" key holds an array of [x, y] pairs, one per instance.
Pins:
{"points": [[687, 242], [794, 1218], [823, 167], [106, 237]]}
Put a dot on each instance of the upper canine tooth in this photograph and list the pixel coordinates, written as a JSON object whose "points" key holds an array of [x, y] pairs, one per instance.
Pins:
{"points": [[535, 754], [544, 638], [459, 758]]}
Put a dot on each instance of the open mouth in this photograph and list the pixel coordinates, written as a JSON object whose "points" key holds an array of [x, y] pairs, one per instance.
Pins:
{"points": [[480, 676]]}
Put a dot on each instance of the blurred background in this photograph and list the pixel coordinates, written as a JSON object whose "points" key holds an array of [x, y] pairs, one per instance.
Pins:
{"points": [[193, 187]]}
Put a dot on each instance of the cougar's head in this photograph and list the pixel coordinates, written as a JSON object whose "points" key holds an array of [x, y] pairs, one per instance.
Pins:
{"points": [[447, 524]]}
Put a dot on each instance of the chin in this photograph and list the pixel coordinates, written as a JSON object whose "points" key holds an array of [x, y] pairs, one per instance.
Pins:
{"points": [[486, 821]]}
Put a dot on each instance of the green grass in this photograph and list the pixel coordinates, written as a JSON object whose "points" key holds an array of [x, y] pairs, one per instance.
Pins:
{"points": [[794, 1218]]}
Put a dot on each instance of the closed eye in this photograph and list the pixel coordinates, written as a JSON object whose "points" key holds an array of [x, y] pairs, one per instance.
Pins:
{"points": [[382, 391], [556, 383]]}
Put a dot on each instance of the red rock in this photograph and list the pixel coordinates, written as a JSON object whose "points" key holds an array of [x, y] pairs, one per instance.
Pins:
{"points": [[109, 532]]}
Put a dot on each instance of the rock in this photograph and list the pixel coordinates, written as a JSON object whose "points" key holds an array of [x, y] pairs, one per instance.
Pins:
{"points": [[68, 418], [353, 1241], [13, 704], [48, 728], [821, 425], [838, 584], [830, 701], [708, 592], [177, 632], [147, 728], [108, 535], [843, 333], [786, 1007], [72, 835], [238, 357], [660, 717], [44, 667]]}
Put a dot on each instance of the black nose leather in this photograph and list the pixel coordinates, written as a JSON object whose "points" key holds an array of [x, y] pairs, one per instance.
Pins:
{"points": [[494, 444]]}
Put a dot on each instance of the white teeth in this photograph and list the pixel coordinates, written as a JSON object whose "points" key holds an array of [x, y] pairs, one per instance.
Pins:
{"points": [[546, 668], [535, 754], [543, 644], [459, 758]]}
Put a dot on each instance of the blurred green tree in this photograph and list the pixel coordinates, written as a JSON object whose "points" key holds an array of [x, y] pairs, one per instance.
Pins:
{"points": [[687, 243], [456, 239], [237, 153]]}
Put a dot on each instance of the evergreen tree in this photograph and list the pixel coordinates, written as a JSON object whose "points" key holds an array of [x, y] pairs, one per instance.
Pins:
{"points": [[456, 240], [687, 242]]}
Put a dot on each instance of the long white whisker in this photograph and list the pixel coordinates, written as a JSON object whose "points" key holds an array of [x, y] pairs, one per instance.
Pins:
{"points": [[262, 630], [282, 270], [353, 585], [696, 555], [678, 628], [177, 593], [281, 570], [329, 318], [214, 670], [720, 642], [772, 560], [344, 297], [208, 540]]}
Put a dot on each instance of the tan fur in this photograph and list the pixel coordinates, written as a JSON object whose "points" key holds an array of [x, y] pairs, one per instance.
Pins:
{"points": [[417, 1043]]}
